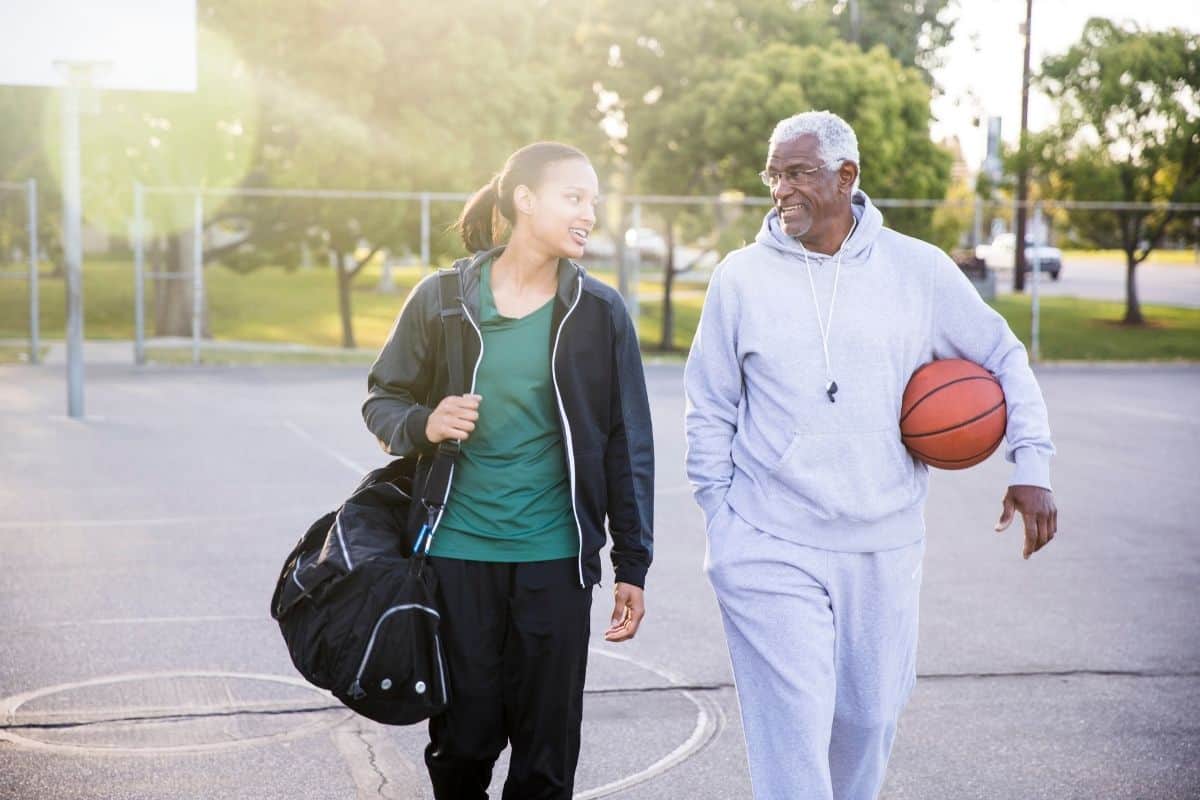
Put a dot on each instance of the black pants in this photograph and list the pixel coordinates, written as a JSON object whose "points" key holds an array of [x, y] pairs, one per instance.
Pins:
{"points": [[515, 638]]}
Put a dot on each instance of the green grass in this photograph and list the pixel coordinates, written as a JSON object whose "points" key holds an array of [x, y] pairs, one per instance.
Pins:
{"points": [[1077, 329], [267, 305], [300, 307]]}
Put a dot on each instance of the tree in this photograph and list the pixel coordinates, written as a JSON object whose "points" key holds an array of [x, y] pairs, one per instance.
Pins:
{"points": [[23, 156], [913, 31], [657, 61], [689, 94], [709, 149], [1128, 130], [436, 97]]}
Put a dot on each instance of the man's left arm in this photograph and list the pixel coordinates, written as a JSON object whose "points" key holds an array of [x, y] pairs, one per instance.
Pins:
{"points": [[964, 326]]}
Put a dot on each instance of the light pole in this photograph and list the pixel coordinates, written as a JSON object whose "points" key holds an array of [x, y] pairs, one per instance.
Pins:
{"points": [[1023, 171]]}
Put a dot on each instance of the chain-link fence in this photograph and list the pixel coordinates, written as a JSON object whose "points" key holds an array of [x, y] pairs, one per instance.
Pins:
{"points": [[322, 273], [318, 268]]}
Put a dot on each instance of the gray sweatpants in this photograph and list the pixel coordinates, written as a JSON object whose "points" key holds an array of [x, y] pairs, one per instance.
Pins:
{"points": [[823, 645]]}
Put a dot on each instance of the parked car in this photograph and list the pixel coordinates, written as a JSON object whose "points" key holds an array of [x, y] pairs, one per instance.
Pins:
{"points": [[1000, 254]]}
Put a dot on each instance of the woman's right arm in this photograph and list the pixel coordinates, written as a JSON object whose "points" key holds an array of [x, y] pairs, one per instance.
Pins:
{"points": [[401, 377]]}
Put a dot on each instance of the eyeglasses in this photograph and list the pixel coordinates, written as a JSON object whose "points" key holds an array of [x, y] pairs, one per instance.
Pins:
{"points": [[795, 176]]}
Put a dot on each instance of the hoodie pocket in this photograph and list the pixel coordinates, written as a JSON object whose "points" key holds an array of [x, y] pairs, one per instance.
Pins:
{"points": [[861, 476]]}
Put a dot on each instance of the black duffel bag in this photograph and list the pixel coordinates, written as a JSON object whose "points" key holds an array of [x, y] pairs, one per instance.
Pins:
{"points": [[356, 598], [358, 613]]}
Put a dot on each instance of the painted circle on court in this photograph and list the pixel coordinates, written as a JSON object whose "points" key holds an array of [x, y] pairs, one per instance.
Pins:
{"points": [[167, 712], [204, 711], [709, 721]]}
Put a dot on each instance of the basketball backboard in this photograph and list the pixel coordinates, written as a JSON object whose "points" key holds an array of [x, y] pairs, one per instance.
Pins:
{"points": [[147, 45]]}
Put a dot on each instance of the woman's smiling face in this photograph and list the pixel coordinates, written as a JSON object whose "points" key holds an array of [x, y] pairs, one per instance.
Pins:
{"points": [[561, 211]]}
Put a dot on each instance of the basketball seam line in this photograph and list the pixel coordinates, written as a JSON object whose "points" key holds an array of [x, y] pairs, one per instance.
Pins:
{"points": [[987, 449], [939, 387], [957, 425]]}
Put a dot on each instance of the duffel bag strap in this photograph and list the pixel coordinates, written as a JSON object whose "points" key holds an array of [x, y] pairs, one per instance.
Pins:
{"points": [[437, 484], [450, 289]]}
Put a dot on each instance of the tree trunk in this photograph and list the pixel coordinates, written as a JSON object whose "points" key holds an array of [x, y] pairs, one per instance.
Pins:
{"points": [[173, 295], [1133, 308], [667, 343], [344, 278], [1129, 223]]}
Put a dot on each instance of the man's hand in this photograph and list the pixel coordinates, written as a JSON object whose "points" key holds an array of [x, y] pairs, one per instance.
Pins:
{"points": [[628, 611], [454, 418], [1038, 512]]}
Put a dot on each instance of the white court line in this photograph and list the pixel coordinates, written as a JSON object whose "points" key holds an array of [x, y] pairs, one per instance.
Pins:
{"points": [[358, 469], [710, 721], [9, 706], [101, 714], [116, 523], [87, 623]]}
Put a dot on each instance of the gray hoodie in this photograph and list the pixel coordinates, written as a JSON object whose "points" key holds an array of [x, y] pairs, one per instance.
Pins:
{"points": [[762, 434]]}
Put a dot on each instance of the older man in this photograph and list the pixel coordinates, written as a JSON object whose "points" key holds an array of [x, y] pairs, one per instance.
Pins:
{"points": [[814, 510]]}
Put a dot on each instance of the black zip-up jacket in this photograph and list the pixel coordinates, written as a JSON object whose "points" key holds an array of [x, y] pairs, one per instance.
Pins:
{"points": [[600, 388]]}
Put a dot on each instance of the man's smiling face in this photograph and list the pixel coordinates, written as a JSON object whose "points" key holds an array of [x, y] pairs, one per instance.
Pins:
{"points": [[809, 203]]}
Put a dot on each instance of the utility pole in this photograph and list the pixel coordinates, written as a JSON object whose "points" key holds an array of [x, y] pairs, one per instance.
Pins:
{"points": [[1023, 171]]}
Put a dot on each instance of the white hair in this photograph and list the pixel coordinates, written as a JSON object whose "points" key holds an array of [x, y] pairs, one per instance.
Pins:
{"points": [[836, 141]]}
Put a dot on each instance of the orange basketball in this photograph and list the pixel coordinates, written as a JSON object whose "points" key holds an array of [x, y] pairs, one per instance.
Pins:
{"points": [[953, 414]]}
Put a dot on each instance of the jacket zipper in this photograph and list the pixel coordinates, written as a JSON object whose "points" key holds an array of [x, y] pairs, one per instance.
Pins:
{"points": [[356, 690], [562, 410]]}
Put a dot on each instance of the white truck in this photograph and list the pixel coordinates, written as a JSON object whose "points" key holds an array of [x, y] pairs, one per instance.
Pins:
{"points": [[1001, 254]]}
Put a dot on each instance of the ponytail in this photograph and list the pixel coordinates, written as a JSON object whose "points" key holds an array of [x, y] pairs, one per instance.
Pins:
{"points": [[484, 216], [478, 221]]}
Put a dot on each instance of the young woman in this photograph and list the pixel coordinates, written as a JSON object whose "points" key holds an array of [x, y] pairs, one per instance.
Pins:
{"points": [[556, 438]]}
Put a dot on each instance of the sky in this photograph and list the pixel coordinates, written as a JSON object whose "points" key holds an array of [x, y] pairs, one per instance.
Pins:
{"points": [[982, 73]]}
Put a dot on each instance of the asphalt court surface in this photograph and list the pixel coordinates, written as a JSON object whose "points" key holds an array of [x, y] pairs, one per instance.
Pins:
{"points": [[138, 550]]}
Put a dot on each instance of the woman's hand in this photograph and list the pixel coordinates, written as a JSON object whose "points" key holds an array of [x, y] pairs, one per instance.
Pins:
{"points": [[627, 613], [454, 418]]}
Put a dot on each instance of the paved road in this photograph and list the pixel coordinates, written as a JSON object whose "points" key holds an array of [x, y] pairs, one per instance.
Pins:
{"points": [[138, 550], [1104, 279]]}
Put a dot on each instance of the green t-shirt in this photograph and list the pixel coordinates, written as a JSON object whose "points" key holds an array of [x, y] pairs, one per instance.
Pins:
{"points": [[511, 496]]}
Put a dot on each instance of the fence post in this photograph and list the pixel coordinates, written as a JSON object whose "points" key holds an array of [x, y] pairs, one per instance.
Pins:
{"points": [[1039, 229], [139, 280], [634, 252], [197, 274], [34, 304], [425, 229]]}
